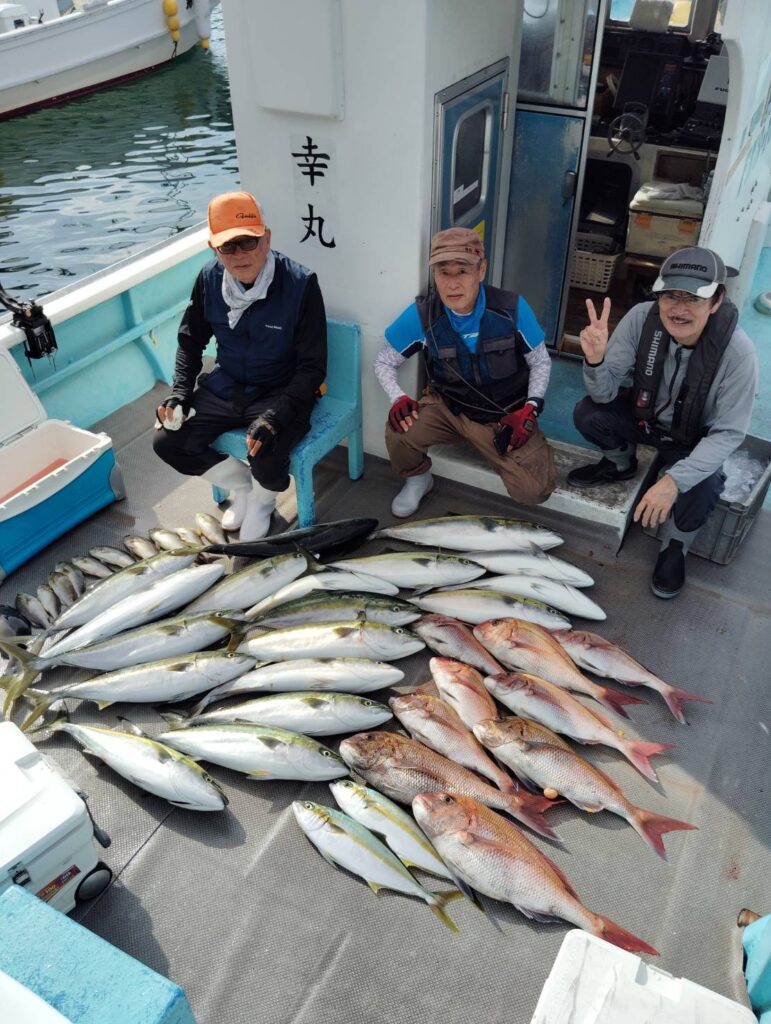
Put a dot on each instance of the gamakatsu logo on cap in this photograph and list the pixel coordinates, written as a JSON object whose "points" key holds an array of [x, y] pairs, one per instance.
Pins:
{"points": [[253, 216], [689, 266]]}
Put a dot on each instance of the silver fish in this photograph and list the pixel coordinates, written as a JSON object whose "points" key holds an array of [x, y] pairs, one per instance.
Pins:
{"points": [[134, 578], [311, 713], [188, 536], [91, 566], [415, 569], [342, 840], [12, 623], [383, 817], [477, 605], [259, 751], [74, 575], [334, 640], [252, 584], [168, 540], [533, 563], [350, 675], [321, 606], [142, 547], [160, 598], [156, 768], [32, 610], [171, 679], [210, 528], [62, 586], [111, 556], [473, 533], [49, 601], [557, 595], [334, 579]]}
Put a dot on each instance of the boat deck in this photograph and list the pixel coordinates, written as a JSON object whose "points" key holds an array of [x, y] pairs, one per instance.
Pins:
{"points": [[240, 910]]}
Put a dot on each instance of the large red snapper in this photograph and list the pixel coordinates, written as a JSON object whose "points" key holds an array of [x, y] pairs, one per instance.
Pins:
{"points": [[536, 754], [495, 858], [525, 646], [401, 768]]}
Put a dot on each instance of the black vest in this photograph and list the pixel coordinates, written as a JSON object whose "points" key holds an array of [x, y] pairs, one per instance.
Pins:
{"points": [[687, 423], [484, 384]]}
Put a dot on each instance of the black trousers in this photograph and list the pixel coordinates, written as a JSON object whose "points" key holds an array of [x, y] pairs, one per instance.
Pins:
{"points": [[188, 449], [614, 425]]}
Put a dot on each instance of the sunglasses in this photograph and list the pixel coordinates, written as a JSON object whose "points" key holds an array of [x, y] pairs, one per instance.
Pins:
{"points": [[246, 243], [685, 297]]}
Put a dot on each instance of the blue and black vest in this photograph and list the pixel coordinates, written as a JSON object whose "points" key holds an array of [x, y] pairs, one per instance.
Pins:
{"points": [[256, 357], [485, 384]]}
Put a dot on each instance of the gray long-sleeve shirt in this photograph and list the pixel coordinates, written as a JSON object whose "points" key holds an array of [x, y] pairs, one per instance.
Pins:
{"points": [[729, 401]]}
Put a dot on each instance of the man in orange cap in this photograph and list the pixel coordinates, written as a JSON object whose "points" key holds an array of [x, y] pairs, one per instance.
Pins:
{"points": [[487, 371], [267, 316]]}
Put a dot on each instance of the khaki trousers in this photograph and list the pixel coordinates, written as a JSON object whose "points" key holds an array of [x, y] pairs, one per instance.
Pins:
{"points": [[527, 473]]}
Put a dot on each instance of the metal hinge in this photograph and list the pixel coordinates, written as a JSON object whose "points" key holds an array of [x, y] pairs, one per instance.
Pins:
{"points": [[504, 112], [19, 874]]}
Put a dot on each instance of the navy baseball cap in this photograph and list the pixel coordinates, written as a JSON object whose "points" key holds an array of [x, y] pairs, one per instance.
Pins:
{"points": [[695, 270]]}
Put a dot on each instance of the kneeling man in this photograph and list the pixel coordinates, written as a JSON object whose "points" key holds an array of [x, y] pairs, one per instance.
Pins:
{"points": [[695, 373], [487, 371]]}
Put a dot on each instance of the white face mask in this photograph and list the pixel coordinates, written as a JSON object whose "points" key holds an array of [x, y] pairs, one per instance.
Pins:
{"points": [[237, 300]]}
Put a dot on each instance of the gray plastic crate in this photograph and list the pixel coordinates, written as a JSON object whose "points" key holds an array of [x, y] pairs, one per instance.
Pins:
{"points": [[719, 539]]}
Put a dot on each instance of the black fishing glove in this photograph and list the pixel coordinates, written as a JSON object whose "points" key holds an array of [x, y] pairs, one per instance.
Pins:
{"points": [[181, 407], [264, 431]]}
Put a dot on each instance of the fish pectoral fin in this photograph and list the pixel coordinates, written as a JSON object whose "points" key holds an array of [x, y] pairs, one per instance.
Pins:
{"points": [[129, 727], [589, 808], [102, 704], [256, 773], [374, 886]]}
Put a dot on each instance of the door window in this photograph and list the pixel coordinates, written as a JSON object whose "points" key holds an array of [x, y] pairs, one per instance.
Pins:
{"points": [[471, 163]]}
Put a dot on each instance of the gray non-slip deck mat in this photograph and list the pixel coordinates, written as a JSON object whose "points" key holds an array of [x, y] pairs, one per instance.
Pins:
{"points": [[241, 911]]}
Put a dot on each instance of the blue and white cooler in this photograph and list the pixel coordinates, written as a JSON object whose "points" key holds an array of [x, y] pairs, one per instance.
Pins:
{"points": [[52, 475]]}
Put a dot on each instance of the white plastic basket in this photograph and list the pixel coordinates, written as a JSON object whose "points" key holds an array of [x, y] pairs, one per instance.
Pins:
{"points": [[593, 270]]}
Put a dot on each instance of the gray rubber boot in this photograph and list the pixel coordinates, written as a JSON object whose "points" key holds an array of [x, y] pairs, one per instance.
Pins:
{"points": [[235, 477]]}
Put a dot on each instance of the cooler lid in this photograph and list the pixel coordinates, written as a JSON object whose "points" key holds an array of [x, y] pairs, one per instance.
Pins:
{"points": [[20, 408]]}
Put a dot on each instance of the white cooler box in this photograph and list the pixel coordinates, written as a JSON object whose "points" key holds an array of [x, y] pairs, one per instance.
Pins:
{"points": [[46, 834], [658, 227], [593, 982], [52, 475]]}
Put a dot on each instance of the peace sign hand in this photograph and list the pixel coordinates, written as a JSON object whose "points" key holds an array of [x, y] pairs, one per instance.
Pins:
{"points": [[594, 338]]}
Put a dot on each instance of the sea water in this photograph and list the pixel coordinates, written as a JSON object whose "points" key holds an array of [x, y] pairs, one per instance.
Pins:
{"points": [[87, 183]]}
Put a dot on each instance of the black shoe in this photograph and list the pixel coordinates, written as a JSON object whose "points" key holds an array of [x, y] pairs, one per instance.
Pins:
{"points": [[602, 472], [669, 572]]}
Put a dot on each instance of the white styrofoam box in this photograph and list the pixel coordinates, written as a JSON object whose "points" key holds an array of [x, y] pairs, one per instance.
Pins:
{"points": [[654, 234], [45, 830], [593, 982], [23, 1006], [651, 15]]}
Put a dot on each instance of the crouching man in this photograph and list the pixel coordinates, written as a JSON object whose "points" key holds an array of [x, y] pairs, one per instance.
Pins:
{"points": [[695, 374], [487, 370], [267, 316]]}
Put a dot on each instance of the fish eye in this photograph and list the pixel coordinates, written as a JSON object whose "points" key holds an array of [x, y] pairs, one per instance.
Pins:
{"points": [[208, 778], [447, 799], [368, 703], [398, 629], [325, 752], [308, 805]]}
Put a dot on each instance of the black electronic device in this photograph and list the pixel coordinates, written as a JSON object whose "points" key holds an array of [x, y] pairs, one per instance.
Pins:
{"points": [[650, 79], [704, 127]]}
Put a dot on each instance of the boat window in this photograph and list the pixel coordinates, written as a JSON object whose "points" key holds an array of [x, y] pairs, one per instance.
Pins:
{"points": [[555, 60], [471, 162], [679, 19]]}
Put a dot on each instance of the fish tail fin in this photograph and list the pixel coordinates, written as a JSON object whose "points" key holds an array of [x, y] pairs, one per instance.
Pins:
{"points": [[675, 698], [651, 827], [615, 701], [530, 812], [15, 683], [639, 752], [606, 929], [58, 723], [176, 719], [438, 902], [39, 708], [203, 703]]}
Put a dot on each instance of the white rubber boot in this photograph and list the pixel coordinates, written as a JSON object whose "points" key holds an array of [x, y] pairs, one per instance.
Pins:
{"points": [[233, 476], [259, 508], [410, 496]]}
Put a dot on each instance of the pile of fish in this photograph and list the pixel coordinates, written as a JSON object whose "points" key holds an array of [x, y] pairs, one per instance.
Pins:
{"points": [[164, 622]]}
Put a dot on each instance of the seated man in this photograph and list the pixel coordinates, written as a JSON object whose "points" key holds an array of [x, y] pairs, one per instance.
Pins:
{"points": [[487, 371], [695, 374], [267, 316]]}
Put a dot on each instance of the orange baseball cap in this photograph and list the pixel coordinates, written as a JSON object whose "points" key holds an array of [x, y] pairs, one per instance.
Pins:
{"points": [[232, 215]]}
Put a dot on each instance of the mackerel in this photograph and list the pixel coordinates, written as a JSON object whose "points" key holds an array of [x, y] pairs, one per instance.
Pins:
{"points": [[350, 675], [49, 601], [210, 528], [321, 606], [252, 584], [160, 598], [311, 713], [63, 588], [74, 575], [142, 547], [383, 817], [111, 556], [333, 640], [477, 605], [262, 752], [91, 566], [165, 539], [154, 767], [32, 609], [408, 569], [342, 840], [474, 533]]}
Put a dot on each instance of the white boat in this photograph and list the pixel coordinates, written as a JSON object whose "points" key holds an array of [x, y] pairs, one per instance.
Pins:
{"points": [[47, 57]]}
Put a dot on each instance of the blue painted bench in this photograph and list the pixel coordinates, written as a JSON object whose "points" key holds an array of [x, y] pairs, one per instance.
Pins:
{"points": [[336, 416]]}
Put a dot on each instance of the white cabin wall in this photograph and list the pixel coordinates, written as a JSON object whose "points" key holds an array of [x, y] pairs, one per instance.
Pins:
{"points": [[743, 171], [376, 193]]}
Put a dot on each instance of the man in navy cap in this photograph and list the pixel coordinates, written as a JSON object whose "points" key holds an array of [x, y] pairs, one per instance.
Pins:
{"points": [[694, 374]]}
